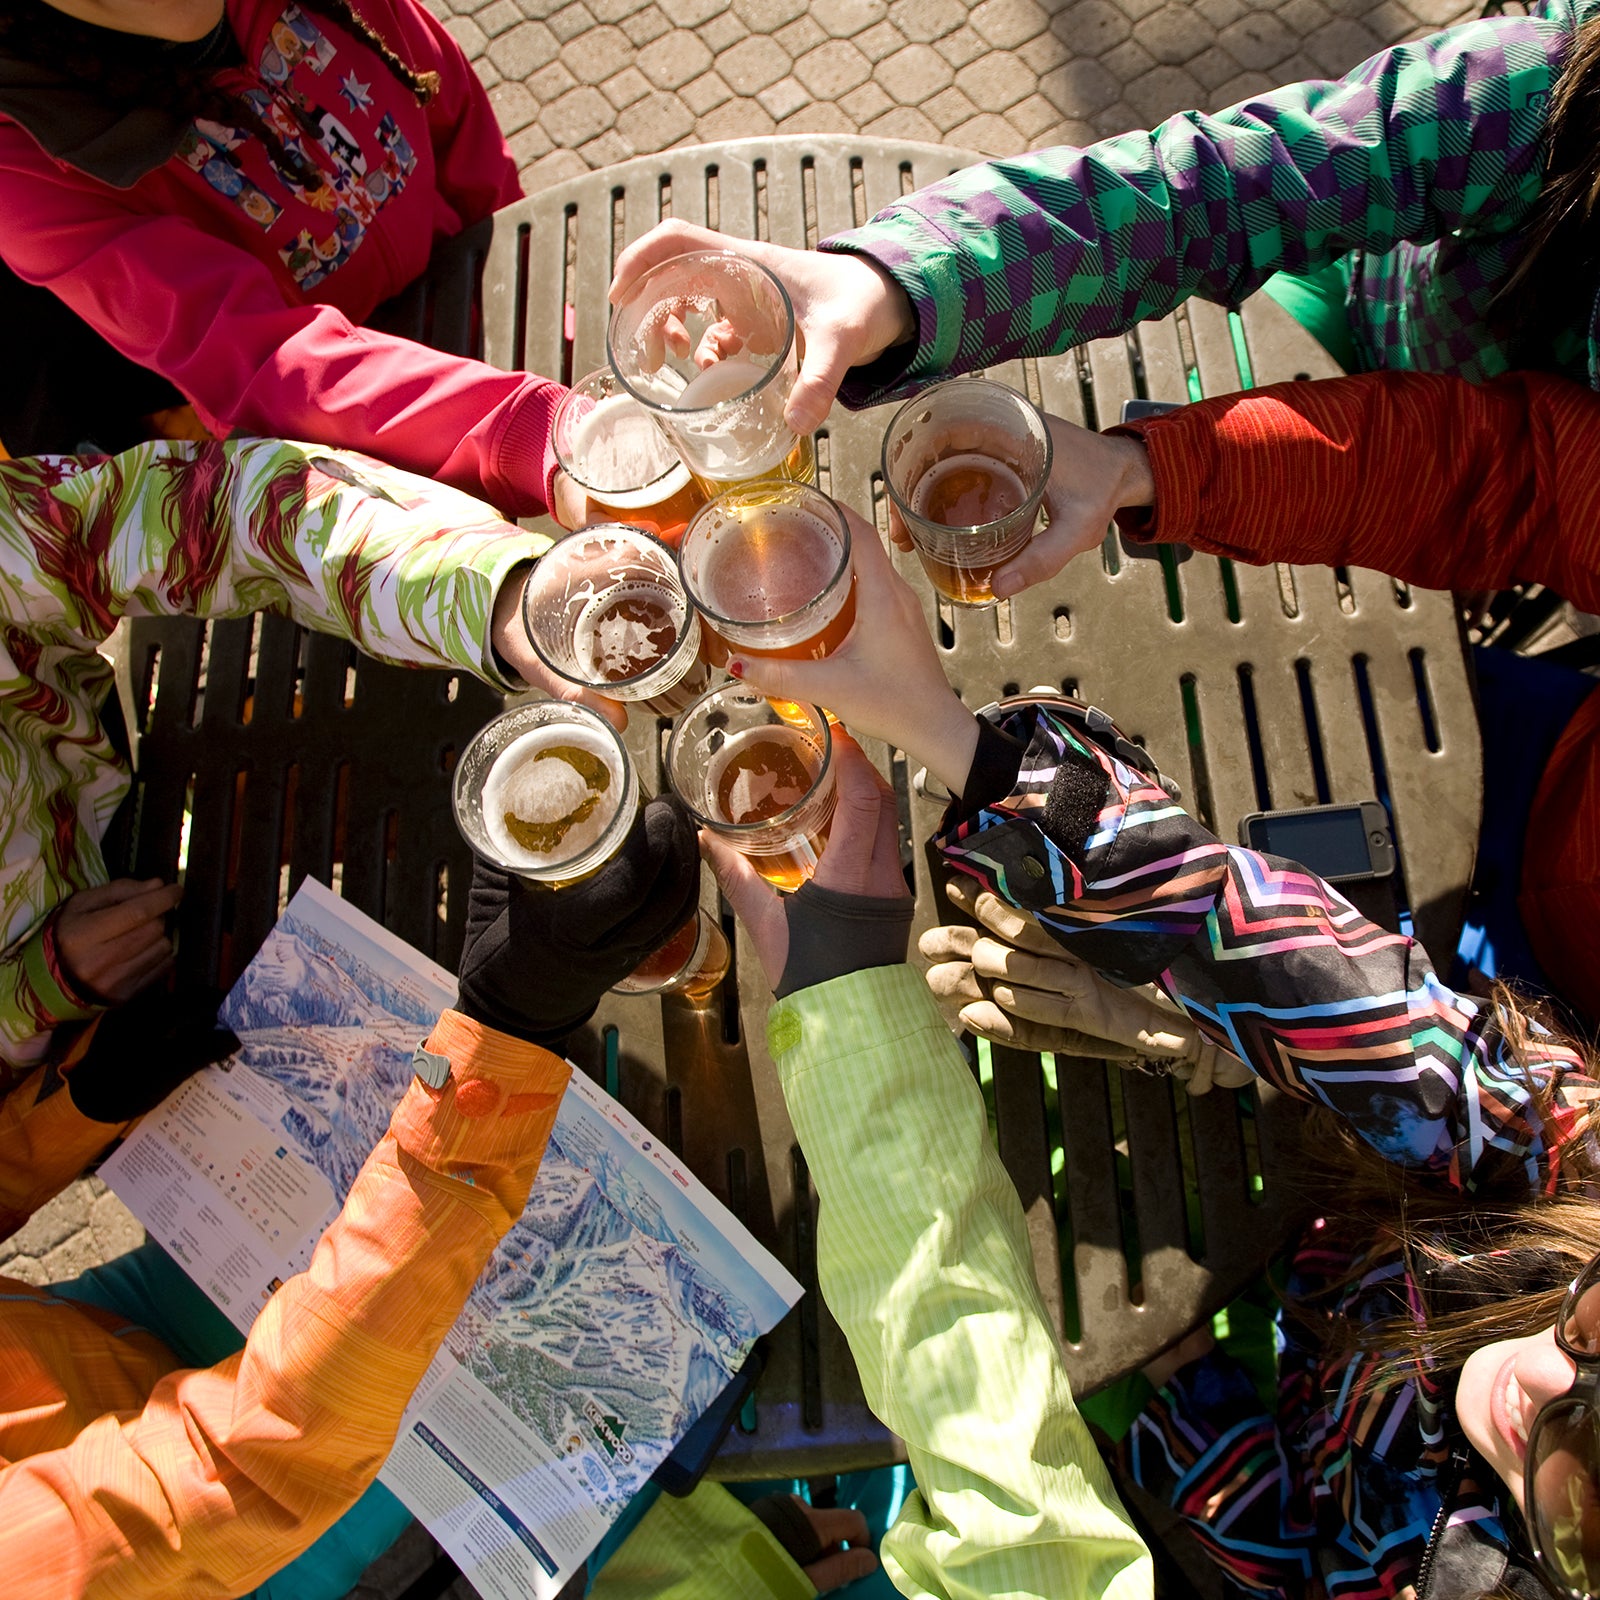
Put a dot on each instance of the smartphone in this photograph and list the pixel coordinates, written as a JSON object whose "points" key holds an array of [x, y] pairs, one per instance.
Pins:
{"points": [[1138, 410], [1342, 843]]}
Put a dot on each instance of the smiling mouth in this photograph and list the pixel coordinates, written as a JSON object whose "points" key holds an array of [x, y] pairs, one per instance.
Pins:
{"points": [[1508, 1407]]}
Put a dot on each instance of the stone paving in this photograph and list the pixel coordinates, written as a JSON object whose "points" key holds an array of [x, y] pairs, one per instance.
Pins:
{"points": [[579, 84], [583, 83]]}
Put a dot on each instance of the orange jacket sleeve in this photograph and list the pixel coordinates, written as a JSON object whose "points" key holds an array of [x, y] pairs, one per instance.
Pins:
{"points": [[1444, 483], [227, 1474], [45, 1142]]}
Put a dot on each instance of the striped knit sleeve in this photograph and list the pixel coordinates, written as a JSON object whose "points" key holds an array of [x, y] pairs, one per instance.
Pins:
{"points": [[1274, 964], [1497, 479]]}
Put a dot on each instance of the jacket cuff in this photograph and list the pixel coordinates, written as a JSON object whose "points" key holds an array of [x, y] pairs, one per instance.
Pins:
{"points": [[523, 457], [497, 1106], [1178, 469], [814, 1026], [44, 977]]}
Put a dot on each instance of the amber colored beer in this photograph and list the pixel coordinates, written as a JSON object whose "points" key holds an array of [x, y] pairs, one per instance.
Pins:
{"points": [[629, 470], [961, 492], [799, 466], [628, 630], [691, 963], [763, 773], [770, 575]]}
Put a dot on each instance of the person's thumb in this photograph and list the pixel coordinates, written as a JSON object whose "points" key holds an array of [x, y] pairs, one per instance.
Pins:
{"points": [[842, 1567], [822, 370]]}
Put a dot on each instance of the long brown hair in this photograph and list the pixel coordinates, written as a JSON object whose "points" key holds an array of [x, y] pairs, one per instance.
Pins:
{"points": [[1487, 1238], [1562, 254], [32, 31]]}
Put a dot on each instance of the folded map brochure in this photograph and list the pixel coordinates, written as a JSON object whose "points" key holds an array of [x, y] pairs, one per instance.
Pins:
{"points": [[615, 1310]]}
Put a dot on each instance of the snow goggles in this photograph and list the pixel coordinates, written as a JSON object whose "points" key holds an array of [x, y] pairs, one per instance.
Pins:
{"points": [[1561, 1471]]}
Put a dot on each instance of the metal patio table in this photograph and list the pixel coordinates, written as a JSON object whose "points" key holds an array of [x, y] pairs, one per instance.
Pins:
{"points": [[1254, 687]]}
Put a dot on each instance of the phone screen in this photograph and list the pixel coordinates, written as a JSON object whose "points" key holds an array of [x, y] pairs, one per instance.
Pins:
{"points": [[1332, 844]]}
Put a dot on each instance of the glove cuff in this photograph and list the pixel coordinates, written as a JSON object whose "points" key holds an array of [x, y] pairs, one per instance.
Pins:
{"points": [[831, 934]]}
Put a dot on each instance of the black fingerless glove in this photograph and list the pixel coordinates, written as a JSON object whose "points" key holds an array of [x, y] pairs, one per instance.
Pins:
{"points": [[537, 960], [831, 934], [140, 1052]]}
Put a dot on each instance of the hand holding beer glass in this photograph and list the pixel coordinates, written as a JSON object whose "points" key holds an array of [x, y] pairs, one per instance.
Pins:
{"points": [[966, 465], [605, 609], [546, 792], [760, 782], [612, 449], [705, 342]]}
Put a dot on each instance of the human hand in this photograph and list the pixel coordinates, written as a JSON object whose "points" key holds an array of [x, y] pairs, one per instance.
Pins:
{"points": [[510, 640], [856, 910], [1092, 477], [885, 680], [536, 960], [847, 308], [1017, 986], [113, 940]]}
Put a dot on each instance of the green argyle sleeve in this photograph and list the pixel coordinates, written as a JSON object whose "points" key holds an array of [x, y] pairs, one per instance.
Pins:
{"points": [[1031, 256], [924, 1261]]}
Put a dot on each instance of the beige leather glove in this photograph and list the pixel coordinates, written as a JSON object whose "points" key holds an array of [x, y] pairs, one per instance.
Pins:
{"points": [[1015, 985]]}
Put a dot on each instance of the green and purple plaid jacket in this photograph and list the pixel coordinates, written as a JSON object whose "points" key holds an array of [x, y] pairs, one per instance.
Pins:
{"points": [[1420, 166]]}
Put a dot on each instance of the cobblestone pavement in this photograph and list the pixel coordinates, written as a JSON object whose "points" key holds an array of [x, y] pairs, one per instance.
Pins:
{"points": [[584, 83]]}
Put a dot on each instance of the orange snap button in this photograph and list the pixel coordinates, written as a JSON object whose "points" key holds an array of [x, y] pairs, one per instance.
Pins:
{"points": [[477, 1097]]}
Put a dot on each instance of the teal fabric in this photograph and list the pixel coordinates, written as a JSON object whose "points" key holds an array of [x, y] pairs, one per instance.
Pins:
{"points": [[150, 1289], [1319, 302]]}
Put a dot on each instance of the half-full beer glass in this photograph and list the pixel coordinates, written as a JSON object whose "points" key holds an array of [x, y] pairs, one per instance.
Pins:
{"points": [[605, 608], [966, 466], [546, 792], [761, 782], [610, 446], [706, 343], [768, 569]]}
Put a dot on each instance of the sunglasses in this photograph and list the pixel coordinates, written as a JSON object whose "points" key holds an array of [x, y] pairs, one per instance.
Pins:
{"points": [[1561, 1472]]}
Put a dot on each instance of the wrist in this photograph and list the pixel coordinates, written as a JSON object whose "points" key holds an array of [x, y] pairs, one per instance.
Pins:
{"points": [[508, 639], [947, 740], [1136, 483]]}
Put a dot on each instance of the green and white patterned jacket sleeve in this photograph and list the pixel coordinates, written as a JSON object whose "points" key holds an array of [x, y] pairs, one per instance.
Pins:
{"points": [[923, 1257], [404, 568]]}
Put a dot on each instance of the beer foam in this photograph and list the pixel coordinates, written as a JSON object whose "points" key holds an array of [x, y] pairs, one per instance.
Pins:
{"points": [[614, 647], [722, 380], [760, 788], [619, 448], [536, 791], [768, 562]]}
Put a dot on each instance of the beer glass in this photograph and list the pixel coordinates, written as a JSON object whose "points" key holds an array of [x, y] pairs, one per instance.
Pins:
{"points": [[691, 963], [768, 569], [966, 464], [706, 343], [546, 792], [610, 446], [605, 608], [761, 782]]}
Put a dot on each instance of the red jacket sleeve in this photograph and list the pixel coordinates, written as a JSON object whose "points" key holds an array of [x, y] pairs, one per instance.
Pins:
{"points": [[210, 317], [1443, 483], [476, 172]]}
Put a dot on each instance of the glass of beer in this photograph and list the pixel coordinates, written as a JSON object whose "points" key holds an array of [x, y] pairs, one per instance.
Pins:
{"points": [[966, 465], [706, 343], [761, 782], [546, 792], [605, 608], [768, 569], [610, 446], [691, 963]]}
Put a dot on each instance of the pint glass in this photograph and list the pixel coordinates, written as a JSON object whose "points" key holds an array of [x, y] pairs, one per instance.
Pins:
{"points": [[768, 569], [546, 792], [610, 446], [966, 466], [761, 782], [706, 343], [605, 608]]}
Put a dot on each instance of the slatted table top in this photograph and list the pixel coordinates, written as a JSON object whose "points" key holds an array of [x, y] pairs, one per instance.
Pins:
{"points": [[1255, 687]]}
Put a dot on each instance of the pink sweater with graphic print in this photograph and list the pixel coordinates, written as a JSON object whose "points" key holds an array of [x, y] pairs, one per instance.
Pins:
{"points": [[248, 292]]}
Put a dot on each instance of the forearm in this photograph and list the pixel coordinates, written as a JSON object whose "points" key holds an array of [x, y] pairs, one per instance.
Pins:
{"points": [[36, 995], [924, 1260], [228, 1473], [1271, 962], [1441, 482], [1211, 205]]}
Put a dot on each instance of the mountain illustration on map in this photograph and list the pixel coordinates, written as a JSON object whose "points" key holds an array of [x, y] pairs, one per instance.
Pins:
{"points": [[334, 1034]]}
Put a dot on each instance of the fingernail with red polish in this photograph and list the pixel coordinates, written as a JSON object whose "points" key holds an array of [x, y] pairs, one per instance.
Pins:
{"points": [[736, 669]]}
